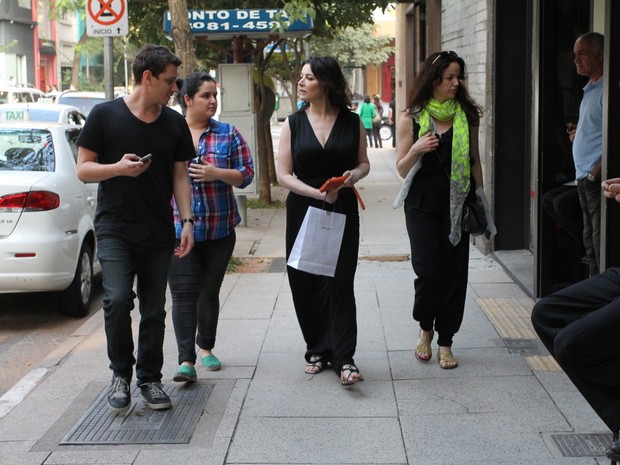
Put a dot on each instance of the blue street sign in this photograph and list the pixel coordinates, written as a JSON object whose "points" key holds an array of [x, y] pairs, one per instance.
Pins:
{"points": [[230, 23]]}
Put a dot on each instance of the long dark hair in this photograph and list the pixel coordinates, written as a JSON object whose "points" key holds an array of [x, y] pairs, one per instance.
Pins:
{"points": [[431, 75], [330, 77]]}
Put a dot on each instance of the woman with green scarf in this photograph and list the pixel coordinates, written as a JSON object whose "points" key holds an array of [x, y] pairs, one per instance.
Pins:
{"points": [[438, 134]]}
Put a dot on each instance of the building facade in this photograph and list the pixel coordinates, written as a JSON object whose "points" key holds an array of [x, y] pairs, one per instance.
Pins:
{"points": [[37, 43], [520, 69], [17, 41]]}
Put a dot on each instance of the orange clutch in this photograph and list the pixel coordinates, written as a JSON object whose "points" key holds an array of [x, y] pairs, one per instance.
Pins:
{"points": [[335, 183], [332, 183]]}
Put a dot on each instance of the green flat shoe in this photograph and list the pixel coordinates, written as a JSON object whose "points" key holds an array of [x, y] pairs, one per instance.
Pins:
{"points": [[185, 374], [211, 362]]}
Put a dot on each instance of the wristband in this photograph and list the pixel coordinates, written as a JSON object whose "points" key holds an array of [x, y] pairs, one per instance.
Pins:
{"points": [[187, 220]]}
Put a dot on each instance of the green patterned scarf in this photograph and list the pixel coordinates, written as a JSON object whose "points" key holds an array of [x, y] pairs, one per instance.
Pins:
{"points": [[461, 166]]}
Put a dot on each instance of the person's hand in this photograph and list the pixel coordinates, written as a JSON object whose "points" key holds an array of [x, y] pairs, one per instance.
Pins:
{"points": [[130, 165], [611, 189], [353, 176], [187, 241], [203, 171], [332, 196], [427, 143], [570, 129]]}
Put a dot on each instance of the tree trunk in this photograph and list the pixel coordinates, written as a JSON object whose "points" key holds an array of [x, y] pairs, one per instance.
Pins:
{"points": [[77, 60], [264, 182], [182, 36]]}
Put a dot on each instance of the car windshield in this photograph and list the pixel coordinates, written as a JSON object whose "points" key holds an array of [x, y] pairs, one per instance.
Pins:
{"points": [[85, 104], [26, 150]]}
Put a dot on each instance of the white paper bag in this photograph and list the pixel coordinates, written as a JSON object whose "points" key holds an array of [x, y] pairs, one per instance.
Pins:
{"points": [[318, 242]]}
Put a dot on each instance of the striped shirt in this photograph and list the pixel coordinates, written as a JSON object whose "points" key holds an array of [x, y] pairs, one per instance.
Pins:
{"points": [[214, 207]]}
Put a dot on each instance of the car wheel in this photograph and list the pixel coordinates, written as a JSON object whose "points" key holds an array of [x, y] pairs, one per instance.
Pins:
{"points": [[385, 132], [75, 300]]}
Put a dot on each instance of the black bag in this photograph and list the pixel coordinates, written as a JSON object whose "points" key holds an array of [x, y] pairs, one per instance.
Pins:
{"points": [[474, 219]]}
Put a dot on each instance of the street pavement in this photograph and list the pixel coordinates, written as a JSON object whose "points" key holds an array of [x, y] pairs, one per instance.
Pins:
{"points": [[507, 402]]}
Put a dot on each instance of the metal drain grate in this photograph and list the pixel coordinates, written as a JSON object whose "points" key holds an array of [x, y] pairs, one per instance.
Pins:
{"points": [[582, 445], [525, 346], [142, 425]]}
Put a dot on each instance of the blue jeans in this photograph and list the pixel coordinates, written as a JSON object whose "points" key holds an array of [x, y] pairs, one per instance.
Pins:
{"points": [[195, 283], [121, 262]]}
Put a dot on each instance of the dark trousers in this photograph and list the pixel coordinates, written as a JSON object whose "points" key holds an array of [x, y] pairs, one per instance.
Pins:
{"points": [[369, 136], [376, 135], [579, 326], [121, 262], [562, 204], [325, 306], [590, 200], [195, 283], [441, 270]]}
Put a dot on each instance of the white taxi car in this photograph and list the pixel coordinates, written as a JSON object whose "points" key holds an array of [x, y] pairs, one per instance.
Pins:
{"points": [[47, 236], [51, 112]]}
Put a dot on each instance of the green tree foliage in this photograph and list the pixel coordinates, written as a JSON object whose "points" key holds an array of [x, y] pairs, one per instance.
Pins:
{"points": [[330, 17], [353, 46]]}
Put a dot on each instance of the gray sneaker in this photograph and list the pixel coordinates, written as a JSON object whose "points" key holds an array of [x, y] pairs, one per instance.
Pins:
{"points": [[154, 395], [119, 398]]}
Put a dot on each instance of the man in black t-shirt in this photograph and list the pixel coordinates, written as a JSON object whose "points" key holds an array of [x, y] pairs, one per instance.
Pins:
{"points": [[134, 220]]}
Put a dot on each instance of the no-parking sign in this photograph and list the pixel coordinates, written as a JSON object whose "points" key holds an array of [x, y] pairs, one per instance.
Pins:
{"points": [[106, 18]]}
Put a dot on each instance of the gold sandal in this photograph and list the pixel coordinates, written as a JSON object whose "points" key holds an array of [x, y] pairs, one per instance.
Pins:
{"points": [[423, 351], [446, 360]]}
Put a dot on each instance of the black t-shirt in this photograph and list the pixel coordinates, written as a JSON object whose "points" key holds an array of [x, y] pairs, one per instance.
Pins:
{"points": [[136, 209]]}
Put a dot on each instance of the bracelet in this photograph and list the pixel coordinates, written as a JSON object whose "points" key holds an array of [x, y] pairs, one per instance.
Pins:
{"points": [[187, 220]]}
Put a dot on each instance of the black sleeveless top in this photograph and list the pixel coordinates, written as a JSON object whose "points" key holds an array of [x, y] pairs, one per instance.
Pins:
{"points": [[314, 164]]}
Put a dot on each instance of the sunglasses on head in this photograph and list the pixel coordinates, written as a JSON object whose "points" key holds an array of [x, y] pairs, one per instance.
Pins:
{"points": [[447, 54]]}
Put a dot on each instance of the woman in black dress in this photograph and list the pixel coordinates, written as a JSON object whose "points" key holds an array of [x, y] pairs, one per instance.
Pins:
{"points": [[321, 140]]}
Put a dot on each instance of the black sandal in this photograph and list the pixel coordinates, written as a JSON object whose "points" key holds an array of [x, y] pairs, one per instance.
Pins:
{"points": [[350, 378], [315, 365]]}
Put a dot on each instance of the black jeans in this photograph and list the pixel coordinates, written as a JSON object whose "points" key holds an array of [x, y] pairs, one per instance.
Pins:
{"points": [[579, 326], [121, 262], [195, 283]]}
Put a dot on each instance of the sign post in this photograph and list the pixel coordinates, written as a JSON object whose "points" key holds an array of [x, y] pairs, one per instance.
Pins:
{"points": [[107, 19]]}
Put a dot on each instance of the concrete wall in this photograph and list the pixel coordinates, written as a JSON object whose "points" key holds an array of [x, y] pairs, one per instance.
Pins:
{"points": [[467, 29]]}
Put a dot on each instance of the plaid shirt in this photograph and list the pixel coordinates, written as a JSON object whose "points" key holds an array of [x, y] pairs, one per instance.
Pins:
{"points": [[214, 207]]}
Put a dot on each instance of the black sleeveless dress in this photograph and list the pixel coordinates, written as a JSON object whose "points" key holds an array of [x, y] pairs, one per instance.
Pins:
{"points": [[325, 306]]}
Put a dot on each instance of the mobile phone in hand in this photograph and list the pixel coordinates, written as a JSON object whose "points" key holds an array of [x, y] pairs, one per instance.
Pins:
{"points": [[146, 157]]}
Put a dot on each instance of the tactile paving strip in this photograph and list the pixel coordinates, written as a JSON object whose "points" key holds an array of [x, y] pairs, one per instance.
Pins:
{"points": [[142, 425], [512, 319], [582, 445]]}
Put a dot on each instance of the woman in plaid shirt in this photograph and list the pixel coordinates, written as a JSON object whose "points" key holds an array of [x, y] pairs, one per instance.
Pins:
{"points": [[223, 161]]}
